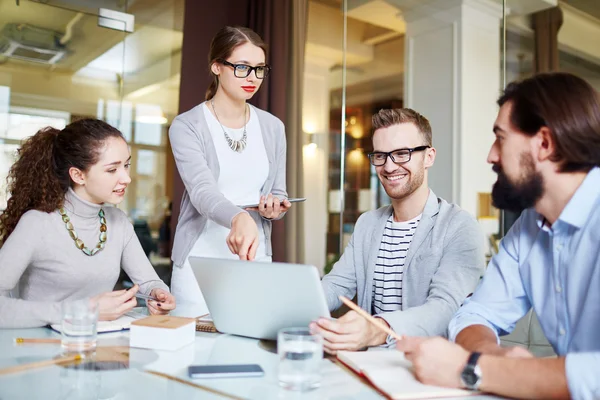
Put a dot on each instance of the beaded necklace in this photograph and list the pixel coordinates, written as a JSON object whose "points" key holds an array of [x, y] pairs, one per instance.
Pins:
{"points": [[78, 242]]}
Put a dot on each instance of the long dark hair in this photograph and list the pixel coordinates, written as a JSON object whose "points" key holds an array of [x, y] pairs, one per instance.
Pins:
{"points": [[39, 179], [223, 44], [565, 104]]}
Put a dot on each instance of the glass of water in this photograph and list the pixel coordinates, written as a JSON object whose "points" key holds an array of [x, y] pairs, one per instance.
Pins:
{"points": [[79, 325], [300, 357]]}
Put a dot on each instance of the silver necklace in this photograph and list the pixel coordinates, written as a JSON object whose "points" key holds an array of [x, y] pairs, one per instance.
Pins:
{"points": [[235, 145]]}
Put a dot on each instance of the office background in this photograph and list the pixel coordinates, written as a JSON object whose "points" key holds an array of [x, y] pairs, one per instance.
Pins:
{"points": [[334, 62]]}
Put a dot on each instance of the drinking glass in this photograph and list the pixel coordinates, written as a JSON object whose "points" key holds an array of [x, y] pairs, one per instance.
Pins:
{"points": [[79, 325], [300, 357]]}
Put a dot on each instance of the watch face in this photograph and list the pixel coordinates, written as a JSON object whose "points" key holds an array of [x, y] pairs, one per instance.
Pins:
{"points": [[469, 378]]}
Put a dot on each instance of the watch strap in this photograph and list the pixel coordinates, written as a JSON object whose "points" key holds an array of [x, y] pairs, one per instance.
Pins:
{"points": [[473, 358], [471, 374]]}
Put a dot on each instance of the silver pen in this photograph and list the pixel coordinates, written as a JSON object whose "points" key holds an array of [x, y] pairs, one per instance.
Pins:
{"points": [[145, 296]]}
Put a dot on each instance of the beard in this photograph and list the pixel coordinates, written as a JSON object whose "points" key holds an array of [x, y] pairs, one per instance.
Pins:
{"points": [[414, 181], [516, 197]]}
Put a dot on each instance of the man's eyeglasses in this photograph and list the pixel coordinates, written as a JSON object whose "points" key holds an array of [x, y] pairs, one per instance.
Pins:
{"points": [[243, 70], [400, 156]]}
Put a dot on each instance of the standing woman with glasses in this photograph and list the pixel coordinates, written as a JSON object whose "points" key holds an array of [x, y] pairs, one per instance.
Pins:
{"points": [[228, 153]]}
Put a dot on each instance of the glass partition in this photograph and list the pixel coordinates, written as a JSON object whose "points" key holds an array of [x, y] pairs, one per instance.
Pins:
{"points": [[117, 60], [441, 58]]}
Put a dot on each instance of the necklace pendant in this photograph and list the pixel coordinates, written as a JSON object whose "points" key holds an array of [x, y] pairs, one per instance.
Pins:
{"points": [[236, 145]]}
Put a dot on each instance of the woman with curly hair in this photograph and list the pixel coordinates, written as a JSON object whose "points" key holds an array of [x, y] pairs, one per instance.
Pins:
{"points": [[60, 240]]}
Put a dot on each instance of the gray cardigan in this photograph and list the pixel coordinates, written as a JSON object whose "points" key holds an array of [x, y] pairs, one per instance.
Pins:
{"points": [[443, 265], [198, 166]]}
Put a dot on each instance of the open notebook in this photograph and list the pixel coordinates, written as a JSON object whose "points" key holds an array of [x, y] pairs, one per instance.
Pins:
{"points": [[204, 323], [390, 373], [118, 324]]}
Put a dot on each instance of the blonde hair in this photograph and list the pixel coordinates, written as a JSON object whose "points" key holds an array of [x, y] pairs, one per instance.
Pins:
{"points": [[388, 117]]}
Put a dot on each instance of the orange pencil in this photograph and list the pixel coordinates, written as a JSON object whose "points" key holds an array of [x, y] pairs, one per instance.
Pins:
{"points": [[21, 340], [368, 317], [41, 364]]}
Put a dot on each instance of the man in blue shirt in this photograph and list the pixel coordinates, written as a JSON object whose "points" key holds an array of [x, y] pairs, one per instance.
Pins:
{"points": [[546, 155]]}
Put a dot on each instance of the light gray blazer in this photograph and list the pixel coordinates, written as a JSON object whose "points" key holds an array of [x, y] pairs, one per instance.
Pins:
{"points": [[198, 166], [443, 265]]}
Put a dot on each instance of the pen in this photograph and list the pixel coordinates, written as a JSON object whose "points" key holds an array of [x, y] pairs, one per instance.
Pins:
{"points": [[145, 297]]}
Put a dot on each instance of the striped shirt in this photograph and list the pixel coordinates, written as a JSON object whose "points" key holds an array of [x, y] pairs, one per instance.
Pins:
{"points": [[389, 267]]}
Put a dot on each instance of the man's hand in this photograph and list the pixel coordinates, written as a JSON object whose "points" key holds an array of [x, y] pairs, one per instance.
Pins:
{"points": [[436, 361], [350, 332], [515, 352]]}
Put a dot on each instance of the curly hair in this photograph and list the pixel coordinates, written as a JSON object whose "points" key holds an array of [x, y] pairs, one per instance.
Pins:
{"points": [[39, 179]]}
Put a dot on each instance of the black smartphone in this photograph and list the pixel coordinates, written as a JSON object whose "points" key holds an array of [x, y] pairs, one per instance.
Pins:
{"points": [[225, 371]]}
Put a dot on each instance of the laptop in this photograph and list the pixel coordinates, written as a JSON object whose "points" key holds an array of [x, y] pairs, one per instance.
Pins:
{"points": [[257, 299]]}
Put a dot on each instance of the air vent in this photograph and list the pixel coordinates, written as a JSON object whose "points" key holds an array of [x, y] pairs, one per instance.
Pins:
{"points": [[30, 43]]}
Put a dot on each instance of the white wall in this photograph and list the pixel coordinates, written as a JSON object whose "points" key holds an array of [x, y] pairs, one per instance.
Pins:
{"points": [[452, 77], [479, 89], [315, 121]]}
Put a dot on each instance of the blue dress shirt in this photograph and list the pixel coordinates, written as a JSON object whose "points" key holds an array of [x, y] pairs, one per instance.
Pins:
{"points": [[555, 270]]}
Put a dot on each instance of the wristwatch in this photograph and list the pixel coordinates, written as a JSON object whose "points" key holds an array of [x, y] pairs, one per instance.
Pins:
{"points": [[471, 374]]}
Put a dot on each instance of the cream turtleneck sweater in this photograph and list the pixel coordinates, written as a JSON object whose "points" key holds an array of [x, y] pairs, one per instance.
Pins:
{"points": [[42, 259]]}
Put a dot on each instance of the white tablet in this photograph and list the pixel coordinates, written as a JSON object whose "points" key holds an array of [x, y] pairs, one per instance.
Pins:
{"points": [[294, 200]]}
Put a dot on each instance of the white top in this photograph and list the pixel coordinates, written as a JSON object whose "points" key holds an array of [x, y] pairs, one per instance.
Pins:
{"points": [[389, 267], [241, 178]]}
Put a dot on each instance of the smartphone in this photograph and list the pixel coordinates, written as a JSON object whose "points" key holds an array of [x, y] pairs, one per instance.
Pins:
{"points": [[225, 371], [294, 200]]}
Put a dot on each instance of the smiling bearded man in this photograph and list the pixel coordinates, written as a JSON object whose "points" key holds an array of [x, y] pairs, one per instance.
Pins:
{"points": [[412, 263]]}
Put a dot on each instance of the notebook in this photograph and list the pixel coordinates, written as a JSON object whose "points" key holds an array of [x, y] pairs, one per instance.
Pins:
{"points": [[119, 324], [391, 374], [205, 324]]}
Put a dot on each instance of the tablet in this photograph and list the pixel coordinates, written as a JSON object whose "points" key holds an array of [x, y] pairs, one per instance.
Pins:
{"points": [[294, 200]]}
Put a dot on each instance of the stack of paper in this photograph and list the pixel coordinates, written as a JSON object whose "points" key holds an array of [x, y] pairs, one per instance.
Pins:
{"points": [[390, 373]]}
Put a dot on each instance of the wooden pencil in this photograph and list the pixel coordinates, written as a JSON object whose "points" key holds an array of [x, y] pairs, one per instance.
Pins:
{"points": [[21, 340], [41, 364], [368, 317]]}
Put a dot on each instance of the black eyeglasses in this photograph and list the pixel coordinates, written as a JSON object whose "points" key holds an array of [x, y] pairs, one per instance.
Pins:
{"points": [[243, 70], [400, 156]]}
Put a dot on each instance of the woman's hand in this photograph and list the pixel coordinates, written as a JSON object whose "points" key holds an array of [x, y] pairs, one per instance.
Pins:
{"points": [[243, 237], [112, 305], [165, 303], [271, 207]]}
